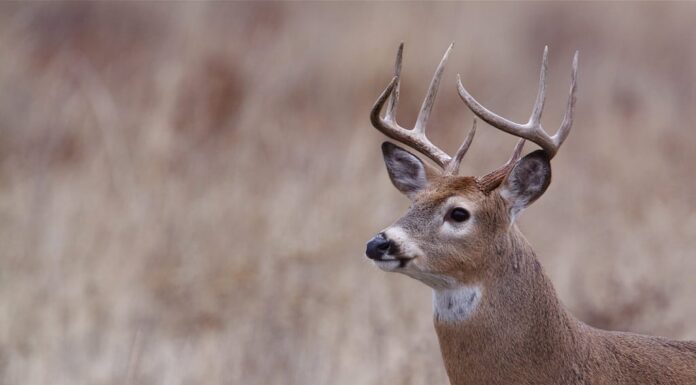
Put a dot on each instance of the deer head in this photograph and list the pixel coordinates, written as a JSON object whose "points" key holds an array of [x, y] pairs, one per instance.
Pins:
{"points": [[455, 226]]}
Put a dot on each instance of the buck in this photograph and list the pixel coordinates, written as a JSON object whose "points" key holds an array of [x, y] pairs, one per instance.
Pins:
{"points": [[496, 314]]}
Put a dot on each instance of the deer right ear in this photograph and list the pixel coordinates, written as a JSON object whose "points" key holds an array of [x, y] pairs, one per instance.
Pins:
{"points": [[527, 181], [408, 173]]}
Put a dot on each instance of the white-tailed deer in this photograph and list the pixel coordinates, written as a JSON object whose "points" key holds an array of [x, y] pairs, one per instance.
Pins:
{"points": [[497, 316]]}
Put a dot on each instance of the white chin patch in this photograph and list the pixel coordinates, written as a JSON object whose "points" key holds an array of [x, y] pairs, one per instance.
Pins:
{"points": [[388, 264]]}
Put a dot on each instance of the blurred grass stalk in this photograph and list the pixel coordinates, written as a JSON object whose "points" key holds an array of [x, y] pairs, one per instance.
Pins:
{"points": [[185, 190]]}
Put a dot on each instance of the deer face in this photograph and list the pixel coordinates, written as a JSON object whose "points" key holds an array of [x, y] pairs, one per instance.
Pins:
{"points": [[449, 233]]}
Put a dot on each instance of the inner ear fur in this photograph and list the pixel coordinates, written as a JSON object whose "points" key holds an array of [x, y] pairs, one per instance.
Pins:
{"points": [[408, 173], [527, 181]]}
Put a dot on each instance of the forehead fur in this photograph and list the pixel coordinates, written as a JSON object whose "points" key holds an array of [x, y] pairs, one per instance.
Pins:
{"points": [[447, 186]]}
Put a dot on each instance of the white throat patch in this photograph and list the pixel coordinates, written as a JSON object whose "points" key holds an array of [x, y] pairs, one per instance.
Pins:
{"points": [[456, 305]]}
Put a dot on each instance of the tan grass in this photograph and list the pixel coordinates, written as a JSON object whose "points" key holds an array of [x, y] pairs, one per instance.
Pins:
{"points": [[185, 190]]}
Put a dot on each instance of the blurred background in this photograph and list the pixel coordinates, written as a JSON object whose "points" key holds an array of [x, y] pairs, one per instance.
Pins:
{"points": [[186, 189]]}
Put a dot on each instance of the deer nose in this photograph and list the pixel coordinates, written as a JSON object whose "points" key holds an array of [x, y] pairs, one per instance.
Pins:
{"points": [[377, 247]]}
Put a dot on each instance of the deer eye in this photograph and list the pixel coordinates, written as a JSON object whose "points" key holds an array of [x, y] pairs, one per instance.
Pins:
{"points": [[459, 214]]}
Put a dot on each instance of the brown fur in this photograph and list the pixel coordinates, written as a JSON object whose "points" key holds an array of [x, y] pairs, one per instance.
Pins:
{"points": [[520, 333]]}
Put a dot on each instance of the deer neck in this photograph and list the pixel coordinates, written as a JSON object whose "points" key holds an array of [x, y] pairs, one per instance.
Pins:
{"points": [[507, 323]]}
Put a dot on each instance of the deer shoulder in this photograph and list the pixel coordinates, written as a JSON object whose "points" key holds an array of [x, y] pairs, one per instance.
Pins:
{"points": [[496, 314]]}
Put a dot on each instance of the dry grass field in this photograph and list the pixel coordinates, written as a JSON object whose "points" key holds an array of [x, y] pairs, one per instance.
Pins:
{"points": [[186, 189]]}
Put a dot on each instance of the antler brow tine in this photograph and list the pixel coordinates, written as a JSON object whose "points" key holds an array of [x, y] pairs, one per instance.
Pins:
{"points": [[493, 179], [453, 165]]}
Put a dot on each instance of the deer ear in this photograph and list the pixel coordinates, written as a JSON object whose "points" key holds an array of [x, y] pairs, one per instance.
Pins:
{"points": [[527, 181], [408, 173]]}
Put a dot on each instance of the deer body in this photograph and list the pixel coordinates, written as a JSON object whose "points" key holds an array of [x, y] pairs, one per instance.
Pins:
{"points": [[520, 333], [496, 314]]}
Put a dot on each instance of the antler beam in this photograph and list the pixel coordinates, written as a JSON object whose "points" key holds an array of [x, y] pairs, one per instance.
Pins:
{"points": [[416, 138], [532, 130]]}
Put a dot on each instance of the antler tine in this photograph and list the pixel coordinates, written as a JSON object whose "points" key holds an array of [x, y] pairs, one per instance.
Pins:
{"points": [[415, 138], [453, 165], [535, 118], [429, 100], [493, 179], [516, 154], [394, 99], [532, 130], [567, 123]]}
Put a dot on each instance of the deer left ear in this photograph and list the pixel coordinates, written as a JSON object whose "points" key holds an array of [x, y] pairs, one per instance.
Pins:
{"points": [[527, 181]]}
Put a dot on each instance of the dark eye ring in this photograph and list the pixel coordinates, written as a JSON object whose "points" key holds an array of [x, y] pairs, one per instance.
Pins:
{"points": [[459, 214]]}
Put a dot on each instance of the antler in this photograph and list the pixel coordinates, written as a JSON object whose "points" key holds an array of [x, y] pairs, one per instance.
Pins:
{"points": [[416, 137], [532, 130], [493, 179]]}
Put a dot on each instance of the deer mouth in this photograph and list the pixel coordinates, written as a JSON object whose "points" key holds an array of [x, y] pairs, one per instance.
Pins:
{"points": [[391, 264]]}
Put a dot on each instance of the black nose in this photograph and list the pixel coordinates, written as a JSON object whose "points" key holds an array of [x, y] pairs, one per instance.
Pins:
{"points": [[377, 247]]}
